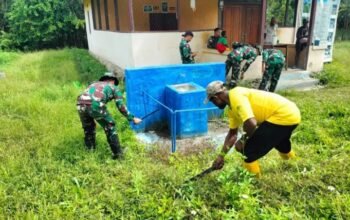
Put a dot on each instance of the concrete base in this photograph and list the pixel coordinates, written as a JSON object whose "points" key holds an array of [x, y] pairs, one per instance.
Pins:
{"points": [[296, 80], [210, 55]]}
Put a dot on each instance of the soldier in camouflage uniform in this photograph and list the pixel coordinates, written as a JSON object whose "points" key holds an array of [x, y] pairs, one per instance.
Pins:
{"points": [[187, 56], [235, 58], [273, 62], [91, 105]]}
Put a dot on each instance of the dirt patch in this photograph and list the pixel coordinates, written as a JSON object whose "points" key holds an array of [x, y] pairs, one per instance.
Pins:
{"points": [[159, 142]]}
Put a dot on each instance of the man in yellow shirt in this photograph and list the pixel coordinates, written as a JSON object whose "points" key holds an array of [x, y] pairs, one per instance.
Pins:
{"points": [[268, 121]]}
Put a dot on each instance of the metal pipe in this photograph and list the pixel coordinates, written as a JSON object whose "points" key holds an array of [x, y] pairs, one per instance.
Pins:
{"points": [[173, 134], [166, 107], [196, 109]]}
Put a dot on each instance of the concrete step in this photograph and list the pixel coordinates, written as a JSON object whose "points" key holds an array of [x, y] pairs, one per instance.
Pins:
{"points": [[297, 80]]}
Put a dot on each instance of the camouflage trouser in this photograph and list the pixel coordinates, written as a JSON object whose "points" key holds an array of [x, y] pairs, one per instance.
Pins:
{"points": [[236, 68], [88, 116], [272, 74]]}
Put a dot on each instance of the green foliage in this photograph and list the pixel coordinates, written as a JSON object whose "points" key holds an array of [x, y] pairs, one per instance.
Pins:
{"points": [[343, 22], [342, 34], [283, 11], [4, 8], [37, 24], [89, 69], [337, 74], [7, 57], [45, 172]]}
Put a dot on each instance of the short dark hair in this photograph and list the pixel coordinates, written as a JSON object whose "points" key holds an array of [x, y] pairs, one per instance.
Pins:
{"points": [[217, 29], [305, 21], [188, 33], [223, 33]]}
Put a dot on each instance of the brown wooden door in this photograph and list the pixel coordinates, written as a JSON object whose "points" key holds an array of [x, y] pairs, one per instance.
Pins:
{"points": [[233, 23], [242, 23], [252, 24]]}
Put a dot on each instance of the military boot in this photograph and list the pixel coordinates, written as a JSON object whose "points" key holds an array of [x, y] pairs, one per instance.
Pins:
{"points": [[113, 142], [90, 142]]}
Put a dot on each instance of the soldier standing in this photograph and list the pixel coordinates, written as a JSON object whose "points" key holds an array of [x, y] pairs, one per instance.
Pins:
{"points": [[273, 62], [302, 39], [235, 58], [91, 105], [187, 56]]}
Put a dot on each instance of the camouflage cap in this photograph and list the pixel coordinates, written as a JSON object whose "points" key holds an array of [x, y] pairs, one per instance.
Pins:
{"points": [[236, 44], [109, 75], [214, 88]]}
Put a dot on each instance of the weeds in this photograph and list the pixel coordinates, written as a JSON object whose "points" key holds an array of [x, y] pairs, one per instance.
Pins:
{"points": [[45, 172]]}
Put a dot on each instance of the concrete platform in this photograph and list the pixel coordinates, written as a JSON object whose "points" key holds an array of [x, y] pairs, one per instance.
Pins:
{"points": [[296, 79]]}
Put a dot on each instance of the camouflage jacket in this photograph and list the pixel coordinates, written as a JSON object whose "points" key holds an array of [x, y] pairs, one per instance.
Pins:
{"points": [[98, 94], [212, 42], [186, 53], [273, 56], [242, 53]]}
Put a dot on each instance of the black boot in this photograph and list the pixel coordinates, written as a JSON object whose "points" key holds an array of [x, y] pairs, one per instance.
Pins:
{"points": [[90, 142], [113, 141]]}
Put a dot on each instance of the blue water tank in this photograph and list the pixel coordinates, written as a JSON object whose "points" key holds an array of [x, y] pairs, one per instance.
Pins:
{"points": [[187, 96]]}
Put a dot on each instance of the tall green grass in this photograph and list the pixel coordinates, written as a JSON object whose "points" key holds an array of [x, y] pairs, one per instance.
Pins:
{"points": [[45, 172]]}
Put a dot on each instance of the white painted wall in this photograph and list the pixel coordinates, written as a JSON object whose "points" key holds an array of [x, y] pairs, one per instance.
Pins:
{"points": [[210, 55], [138, 49], [112, 46], [162, 48], [286, 35]]}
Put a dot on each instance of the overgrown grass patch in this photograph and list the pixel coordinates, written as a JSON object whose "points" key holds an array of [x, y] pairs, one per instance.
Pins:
{"points": [[45, 172]]}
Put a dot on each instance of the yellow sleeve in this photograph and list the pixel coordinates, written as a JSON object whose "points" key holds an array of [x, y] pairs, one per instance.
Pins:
{"points": [[241, 105], [233, 123]]}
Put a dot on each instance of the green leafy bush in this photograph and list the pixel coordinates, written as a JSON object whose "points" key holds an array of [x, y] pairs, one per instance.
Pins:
{"points": [[37, 24]]}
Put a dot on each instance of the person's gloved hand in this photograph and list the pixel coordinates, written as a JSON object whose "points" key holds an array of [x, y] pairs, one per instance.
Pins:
{"points": [[219, 162], [137, 121]]}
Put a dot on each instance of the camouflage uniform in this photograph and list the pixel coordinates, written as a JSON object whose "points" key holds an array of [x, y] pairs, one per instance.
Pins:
{"points": [[186, 53], [91, 105], [235, 58], [274, 62]]}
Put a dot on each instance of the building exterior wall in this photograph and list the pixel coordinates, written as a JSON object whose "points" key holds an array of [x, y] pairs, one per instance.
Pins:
{"points": [[123, 12], [286, 35], [162, 48], [141, 18], [140, 49], [254, 71], [316, 58], [204, 17], [111, 46]]}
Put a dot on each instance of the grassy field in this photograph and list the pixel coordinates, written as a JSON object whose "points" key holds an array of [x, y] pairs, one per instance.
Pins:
{"points": [[45, 172]]}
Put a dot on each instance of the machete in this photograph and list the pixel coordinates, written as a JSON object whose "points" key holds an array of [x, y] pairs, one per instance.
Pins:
{"points": [[200, 175]]}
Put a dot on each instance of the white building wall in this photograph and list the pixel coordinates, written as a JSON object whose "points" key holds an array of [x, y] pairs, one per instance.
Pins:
{"points": [[114, 47], [139, 49], [162, 48]]}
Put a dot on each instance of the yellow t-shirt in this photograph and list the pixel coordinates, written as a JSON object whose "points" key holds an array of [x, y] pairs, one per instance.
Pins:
{"points": [[263, 106]]}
